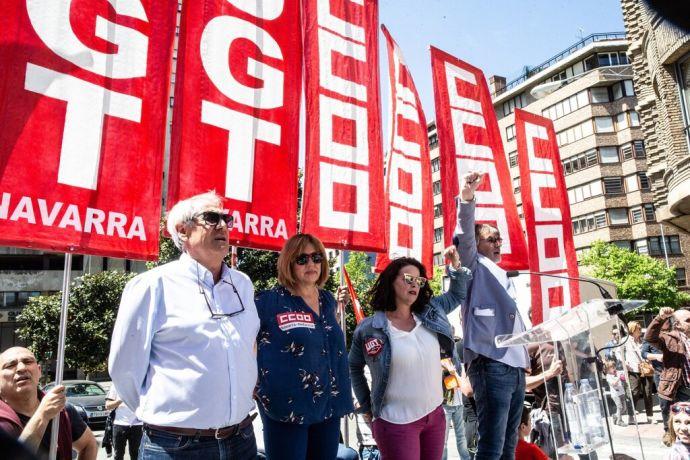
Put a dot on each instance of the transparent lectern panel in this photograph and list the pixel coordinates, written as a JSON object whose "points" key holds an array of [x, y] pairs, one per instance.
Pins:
{"points": [[583, 317]]}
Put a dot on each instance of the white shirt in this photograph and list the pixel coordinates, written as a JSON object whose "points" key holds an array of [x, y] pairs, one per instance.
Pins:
{"points": [[123, 414], [172, 361], [633, 354], [414, 381]]}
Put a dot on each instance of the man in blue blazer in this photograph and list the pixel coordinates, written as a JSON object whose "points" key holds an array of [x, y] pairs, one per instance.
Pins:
{"points": [[497, 375]]}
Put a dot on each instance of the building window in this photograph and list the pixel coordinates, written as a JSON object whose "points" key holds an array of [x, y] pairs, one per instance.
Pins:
{"points": [[613, 185], [623, 244], [627, 151], [622, 121], [681, 280], [10, 299], [612, 58], [672, 245], [603, 124], [589, 222], [438, 235], [516, 184], [435, 164], [645, 186], [634, 119], [438, 211], [683, 70], [581, 161], [513, 159], [566, 106], [510, 132], [518, 101], [641, 246], [649, 215], [585, 191], [608, 154], [433, 141], [639, 149], [437, 187], [575, 133], [599, 94], [636, 215], [618, 216], [628, 87], [438, 259]]}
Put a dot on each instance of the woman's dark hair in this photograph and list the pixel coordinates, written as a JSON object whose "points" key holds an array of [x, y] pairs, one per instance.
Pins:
{"points": [[382, 293]]}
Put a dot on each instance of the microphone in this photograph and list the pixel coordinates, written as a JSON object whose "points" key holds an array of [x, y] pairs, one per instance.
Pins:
{"points": [[613, 309]]}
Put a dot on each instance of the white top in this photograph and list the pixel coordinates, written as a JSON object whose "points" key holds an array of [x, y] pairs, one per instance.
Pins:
{"points": [[172, 361], [633, 354], [123, 414], [615, 384], [415, 376]]}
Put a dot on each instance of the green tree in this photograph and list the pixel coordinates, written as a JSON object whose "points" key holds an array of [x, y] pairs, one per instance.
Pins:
{"points": [[436, 283], [636, 276], [93, 304], [359, 266]]}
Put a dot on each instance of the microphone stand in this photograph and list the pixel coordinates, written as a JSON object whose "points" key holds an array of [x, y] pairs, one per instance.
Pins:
{"points": [[615, 309]]}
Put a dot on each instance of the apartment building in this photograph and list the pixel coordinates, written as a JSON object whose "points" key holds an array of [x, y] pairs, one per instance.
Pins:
{"points": [[660, 58], [588, 92]]}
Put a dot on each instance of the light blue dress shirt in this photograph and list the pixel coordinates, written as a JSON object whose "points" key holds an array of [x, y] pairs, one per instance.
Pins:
{"points": [[172, 361]]}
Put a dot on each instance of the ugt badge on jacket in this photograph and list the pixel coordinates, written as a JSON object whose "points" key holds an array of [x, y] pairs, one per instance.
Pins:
{"points": [[373, 346]]}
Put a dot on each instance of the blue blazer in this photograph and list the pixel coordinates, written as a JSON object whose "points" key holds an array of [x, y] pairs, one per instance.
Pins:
{"points": [[489, 310]]}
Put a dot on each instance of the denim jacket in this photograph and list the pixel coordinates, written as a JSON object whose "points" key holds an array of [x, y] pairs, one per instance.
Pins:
{"points": [[371, 342]]}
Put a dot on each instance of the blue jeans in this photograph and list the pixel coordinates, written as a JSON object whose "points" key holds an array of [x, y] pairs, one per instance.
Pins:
{"points": [[160, 445], [499, 393], [454, 415], [288, 441]]}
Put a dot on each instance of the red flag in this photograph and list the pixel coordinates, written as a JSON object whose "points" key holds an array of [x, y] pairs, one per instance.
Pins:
{"points": [[235, 127], [356, 306], [470, 141], [547, 215], [343, 188], [410, 207], [82, 109]]}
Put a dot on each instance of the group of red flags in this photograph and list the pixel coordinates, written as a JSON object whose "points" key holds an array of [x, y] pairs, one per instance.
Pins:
{"points": [[84, 104]]}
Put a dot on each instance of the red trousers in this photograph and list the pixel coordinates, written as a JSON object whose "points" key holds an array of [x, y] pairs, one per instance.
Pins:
{"points": [[422, 439]]}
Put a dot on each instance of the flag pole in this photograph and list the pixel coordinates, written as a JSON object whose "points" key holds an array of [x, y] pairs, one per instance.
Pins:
{"points": [[343, 324], [60, 364]]}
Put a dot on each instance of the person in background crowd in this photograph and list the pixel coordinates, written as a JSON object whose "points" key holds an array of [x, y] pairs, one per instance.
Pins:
{"points": [[497, 375], [183, 347], [453, 406], [402, 344], [639, 371], [680, 432], [304, 384], [610, 353], [544, 369], [525, 450], [655, 357], [26, 413], [127, 428], [615, 382], [674, 381]]}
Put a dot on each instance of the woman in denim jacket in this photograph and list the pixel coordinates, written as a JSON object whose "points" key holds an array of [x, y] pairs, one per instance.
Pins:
{"points": [[403, 343]]}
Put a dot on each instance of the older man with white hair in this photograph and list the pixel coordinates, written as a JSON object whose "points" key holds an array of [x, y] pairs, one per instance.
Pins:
{"points": [[183, 351]]}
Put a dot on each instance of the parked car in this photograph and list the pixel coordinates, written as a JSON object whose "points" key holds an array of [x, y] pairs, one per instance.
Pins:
{"points": [[89, 400]]}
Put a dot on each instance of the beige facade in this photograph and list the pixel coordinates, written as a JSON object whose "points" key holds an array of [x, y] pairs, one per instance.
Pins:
{"points": [[660, 57], [602, 147]]}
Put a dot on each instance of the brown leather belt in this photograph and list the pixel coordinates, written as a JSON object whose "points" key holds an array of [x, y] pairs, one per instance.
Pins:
{"points": [[218, 433]]}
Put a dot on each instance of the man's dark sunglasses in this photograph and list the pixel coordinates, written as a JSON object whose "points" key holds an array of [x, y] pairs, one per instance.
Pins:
{"points": [[214, 218], [315, 257]]}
